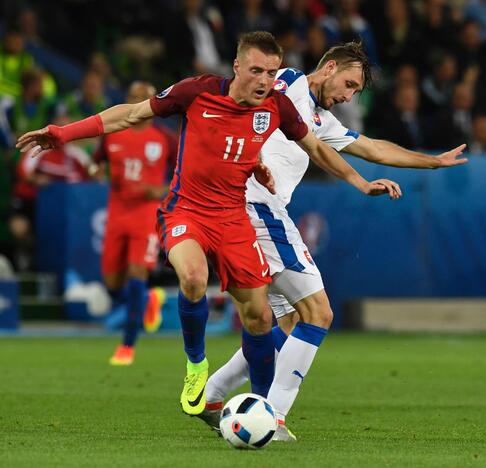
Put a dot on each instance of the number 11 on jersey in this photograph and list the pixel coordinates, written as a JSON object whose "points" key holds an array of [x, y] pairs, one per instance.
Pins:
{"points": [[229, 144]]}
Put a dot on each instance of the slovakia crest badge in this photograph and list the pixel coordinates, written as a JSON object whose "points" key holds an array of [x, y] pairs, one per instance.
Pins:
{"points": [[280, 86], [261, 122]]}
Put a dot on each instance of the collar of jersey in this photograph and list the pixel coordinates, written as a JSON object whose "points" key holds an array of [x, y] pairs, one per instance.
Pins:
{"points": [[316, 102], [225, 84]]}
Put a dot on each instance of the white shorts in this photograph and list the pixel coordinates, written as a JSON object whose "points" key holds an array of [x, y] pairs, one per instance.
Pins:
{"points": [[294, 273], [289, 287]]}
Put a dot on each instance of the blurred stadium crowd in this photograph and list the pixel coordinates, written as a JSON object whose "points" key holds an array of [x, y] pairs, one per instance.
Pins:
{"points": [[65, 60]]}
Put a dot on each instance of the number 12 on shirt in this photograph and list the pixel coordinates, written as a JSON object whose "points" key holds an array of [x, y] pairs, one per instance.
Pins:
{"points": [[229, 143]]}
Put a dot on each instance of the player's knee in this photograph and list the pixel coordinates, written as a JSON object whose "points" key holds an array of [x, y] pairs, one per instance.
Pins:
{"points": [[193, 283], [318, 312], [326, 317], [258, 322], [321, 315]]}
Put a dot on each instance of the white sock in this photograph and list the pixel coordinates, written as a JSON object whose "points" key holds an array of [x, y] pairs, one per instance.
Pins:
{"points": [[294, 361], [227, 378]]}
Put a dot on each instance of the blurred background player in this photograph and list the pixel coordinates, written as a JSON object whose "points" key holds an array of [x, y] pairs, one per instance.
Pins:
{"points": [[138, 160]]}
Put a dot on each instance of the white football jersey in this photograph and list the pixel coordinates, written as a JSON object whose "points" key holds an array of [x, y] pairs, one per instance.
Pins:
{"points": [[287, 161]]}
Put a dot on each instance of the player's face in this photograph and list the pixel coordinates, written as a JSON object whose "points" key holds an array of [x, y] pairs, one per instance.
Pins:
{"points": [[254, 76], [138, 92], [340, 85]]}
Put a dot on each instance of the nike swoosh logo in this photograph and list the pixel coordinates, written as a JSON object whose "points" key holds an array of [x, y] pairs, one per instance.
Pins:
{"points": [[264, 273], [198, 399], [209, 116]]}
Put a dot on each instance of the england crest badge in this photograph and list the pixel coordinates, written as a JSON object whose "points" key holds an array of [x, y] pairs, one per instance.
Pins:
{"points": [[261, 122], [153, 151]]}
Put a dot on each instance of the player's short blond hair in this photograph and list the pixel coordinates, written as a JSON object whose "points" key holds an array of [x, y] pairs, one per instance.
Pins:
{"points": [[348, 55], [261, 40]]}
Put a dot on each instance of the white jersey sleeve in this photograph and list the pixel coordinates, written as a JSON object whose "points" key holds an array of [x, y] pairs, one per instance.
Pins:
{"points": [[293, 83], [330, 130]]}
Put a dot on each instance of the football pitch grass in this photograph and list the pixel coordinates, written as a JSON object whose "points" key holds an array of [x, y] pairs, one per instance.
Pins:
{"points": [[369, 400]]}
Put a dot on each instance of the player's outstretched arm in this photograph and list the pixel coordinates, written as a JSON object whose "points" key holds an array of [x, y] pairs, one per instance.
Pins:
{"points": [[111, 120], [389, 154], [331, 161]]}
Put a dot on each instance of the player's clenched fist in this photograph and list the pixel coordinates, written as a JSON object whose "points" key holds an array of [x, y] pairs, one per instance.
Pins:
{"points": [[264, 176]]}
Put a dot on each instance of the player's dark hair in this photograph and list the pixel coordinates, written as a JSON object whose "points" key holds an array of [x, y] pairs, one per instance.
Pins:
{"points": [[348, 55], [261, 40]]}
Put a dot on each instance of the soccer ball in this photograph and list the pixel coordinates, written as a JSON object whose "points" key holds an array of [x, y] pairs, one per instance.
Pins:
{"points": [[248, 421]]}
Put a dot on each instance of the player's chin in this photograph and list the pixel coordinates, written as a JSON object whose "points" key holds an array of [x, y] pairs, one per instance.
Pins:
{"points": [[328, 104], [258, 97]]}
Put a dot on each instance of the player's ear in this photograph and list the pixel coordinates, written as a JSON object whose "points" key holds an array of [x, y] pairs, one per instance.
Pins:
{"points": [[330, 67], [236, 66]]}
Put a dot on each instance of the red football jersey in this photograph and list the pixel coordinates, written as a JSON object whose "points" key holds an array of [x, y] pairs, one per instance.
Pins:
{"points": [[220, 142], [136, 157]]}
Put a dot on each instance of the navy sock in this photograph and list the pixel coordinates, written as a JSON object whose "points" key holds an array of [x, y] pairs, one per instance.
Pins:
{"points": [[194, 316], [259, 351], [118, 297], [279, 337], [137, 300]]}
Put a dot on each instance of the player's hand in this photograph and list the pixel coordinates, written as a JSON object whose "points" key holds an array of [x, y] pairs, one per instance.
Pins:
{"points": [[39, 140], [264, 176], [154, 192], [383, 186], [449, 158]]}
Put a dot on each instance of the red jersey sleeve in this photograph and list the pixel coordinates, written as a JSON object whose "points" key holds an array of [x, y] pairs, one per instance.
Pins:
{"points": [[178, 97], [291, 123]]}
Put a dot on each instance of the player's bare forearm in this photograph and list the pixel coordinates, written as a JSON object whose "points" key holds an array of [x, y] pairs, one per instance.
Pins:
{"points": [[390, 154], [124, 116], [331, 161], [111, 120]]}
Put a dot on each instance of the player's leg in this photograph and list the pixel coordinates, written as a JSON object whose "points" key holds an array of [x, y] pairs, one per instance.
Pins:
{"points": [[115, 284], [299, 350], [137, 245], [114, 268], [190, 264], [143, 251], [114, 263], [243, 271], [136, 285], [257, 342], [235, 372], [186, 241]]}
